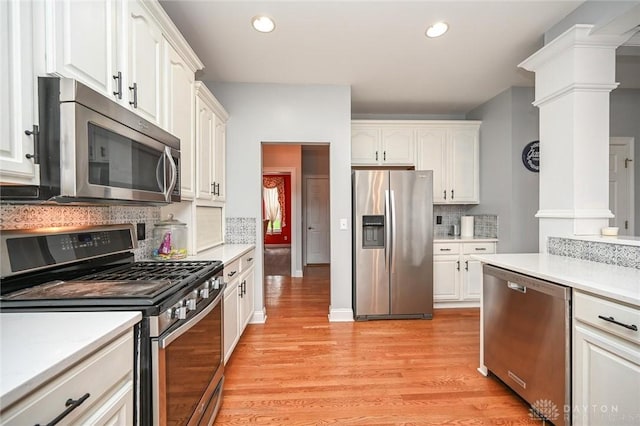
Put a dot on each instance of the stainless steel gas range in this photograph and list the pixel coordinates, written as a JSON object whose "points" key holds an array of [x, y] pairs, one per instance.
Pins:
{"points": [[178, 353]]}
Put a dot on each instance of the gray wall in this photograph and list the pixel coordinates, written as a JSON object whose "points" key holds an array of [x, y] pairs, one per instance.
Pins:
{"points": [[507, 189], [625, 121], [591, 12], [291, 114]]}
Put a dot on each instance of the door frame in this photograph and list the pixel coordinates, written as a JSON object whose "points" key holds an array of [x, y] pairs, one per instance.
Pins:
{"points": [[304, 214], [295, 220], [630, 142]]}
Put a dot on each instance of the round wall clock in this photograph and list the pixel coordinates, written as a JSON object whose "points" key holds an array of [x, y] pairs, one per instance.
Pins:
{"points": [[531, 156]]}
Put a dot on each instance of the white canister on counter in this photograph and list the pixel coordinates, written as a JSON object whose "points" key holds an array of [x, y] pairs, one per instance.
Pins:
{"points": [[466, 226]]}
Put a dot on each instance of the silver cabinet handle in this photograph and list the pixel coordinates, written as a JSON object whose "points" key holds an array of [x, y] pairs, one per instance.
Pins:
{"points": [[445, 249], [134, 88], [452, 194], [458, 265], [445, 194], [376, 155], [35, 132], [516, 287], [466, 265], [118, 79], [384, 155]]}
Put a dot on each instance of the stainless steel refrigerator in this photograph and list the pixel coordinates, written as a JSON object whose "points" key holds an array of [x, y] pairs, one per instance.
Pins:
{"points": [[392, 244]]}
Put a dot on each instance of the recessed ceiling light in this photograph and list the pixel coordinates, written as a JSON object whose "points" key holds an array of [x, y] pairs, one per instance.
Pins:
{"points": [[437, 29], [262, 23]]}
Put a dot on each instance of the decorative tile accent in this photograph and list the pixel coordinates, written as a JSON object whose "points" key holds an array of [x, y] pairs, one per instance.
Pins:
{"points": [[484, 225], [240, 230], [39, 216], [595, 251]]}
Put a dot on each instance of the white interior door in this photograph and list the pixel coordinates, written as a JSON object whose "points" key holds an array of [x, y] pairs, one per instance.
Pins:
{"points": [[621, 184], [317, 223]]}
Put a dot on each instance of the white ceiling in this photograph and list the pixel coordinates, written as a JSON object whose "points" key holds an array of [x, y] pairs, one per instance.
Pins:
{"points": [[378, 48]]}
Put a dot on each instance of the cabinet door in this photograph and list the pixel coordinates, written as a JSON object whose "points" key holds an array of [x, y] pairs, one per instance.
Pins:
{"points": [[606, 379], [365, 145], [179, 117], [246, 310], [398, 146], [218, 159], [464, 163], [144, 63], [446, 278], [18, 110], [82, 42], [205, 128], [432, 150], [471, 278], [231, 325]]}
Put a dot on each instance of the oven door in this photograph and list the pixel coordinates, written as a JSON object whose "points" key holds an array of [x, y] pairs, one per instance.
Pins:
{"points": [[188, 369], [113, 161]]}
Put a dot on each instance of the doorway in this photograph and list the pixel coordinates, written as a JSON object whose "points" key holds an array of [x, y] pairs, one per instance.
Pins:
{"points": [[302, 206], [621, 184]]}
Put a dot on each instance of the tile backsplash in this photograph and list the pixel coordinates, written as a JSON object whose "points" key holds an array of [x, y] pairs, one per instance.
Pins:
{"points": [[39, 216], [240, 230], [611, 253], [484, 225]]}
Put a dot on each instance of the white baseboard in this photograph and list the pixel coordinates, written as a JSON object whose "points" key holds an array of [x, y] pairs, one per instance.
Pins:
{"points": [[340, 315], [446, 305], [297, 274], [259, 317]]}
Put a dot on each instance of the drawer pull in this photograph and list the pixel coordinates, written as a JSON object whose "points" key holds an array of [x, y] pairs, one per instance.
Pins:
{"points": [[232, 273], [71, 405], [481, 248], [613, 320], [250, 259], [445, 249]]}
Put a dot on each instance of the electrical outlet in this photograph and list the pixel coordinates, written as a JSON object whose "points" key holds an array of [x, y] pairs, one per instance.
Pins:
{"points": [[141, 231], [438, 220]]}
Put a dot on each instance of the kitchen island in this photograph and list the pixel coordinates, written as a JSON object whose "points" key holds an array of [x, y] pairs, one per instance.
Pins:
{"points": [[47, 353], [603, 342]]}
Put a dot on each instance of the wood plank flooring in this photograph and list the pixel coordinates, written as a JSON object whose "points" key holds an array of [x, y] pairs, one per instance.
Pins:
{"points": [[299, 369]]}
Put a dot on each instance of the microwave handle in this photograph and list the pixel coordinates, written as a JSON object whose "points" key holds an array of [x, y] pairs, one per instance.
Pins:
{"points": [[174, 173]]}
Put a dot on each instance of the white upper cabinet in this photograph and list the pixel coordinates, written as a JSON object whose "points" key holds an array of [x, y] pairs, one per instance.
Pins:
{"points": [[381, 143], [211, 119], [80, 47], [144, 69], [18, 111], [180, 115], [451, 150]]}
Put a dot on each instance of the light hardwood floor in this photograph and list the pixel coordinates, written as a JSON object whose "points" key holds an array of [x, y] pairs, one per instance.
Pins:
{"points": [[299, 369]]}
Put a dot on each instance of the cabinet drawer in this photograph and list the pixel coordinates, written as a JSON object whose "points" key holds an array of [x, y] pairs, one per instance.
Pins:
{"points": [[588, 309], [231, 270], [470, 248], [247, 260], [87, 377], [446, 248]]}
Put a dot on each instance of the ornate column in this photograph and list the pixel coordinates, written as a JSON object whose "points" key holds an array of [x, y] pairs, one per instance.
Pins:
{"points": [[574, 75]]}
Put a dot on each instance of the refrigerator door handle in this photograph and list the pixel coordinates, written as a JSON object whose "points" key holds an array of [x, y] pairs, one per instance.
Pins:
{"points": [[387, 227], [393, 230]]}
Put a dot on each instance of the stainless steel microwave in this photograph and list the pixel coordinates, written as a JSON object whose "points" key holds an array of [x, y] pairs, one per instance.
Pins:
{"points": [[92, 150]]}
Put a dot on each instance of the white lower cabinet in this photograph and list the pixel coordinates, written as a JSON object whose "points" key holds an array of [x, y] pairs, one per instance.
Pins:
{"points": [[238, 299], [606, 362], [457, 277], [102, 385]]}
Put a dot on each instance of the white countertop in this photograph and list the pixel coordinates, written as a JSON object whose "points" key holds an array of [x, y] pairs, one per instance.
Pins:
{"points": [[615, 282], [225, 252], [36, 346], [460, 239]]}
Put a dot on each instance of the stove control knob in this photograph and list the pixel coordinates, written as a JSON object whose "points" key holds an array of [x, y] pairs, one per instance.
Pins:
{"points": [[191, 304], [179, 313], [204, 292], [215, 283]]}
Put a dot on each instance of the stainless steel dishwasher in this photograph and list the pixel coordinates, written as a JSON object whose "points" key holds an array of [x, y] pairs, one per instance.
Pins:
{"points": [[527, 340]]}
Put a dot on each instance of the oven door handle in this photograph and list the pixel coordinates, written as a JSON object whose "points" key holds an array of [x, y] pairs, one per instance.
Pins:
{"points": [[169, 338]]}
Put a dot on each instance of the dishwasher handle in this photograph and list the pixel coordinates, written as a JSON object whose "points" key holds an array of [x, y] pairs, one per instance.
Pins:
{"points": [[516, 287]]}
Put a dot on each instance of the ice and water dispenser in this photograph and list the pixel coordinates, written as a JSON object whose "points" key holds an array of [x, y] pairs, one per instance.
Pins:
{"points": [[373, 231]]}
